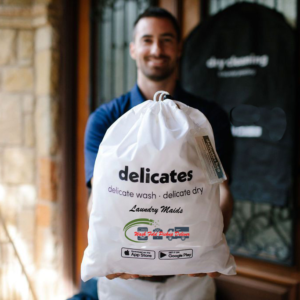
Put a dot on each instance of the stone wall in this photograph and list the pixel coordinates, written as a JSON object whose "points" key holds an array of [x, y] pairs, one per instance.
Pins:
{"points": [[29, 144]]}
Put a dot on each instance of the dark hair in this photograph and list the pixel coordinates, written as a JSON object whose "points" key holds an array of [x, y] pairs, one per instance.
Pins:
{"points": [[158, 12]]}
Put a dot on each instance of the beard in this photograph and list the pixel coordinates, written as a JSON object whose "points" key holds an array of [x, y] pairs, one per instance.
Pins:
{"points": [[158, 73]]}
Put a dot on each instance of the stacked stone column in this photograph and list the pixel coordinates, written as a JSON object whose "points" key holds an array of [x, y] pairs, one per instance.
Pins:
{"points": [[29, 143]]}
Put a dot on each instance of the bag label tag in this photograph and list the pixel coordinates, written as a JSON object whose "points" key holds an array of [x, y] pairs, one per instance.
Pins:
{"points": [[209, 158]]}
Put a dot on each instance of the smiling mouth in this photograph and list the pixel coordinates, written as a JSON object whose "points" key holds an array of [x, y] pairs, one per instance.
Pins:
{"points": [[157, 61]]}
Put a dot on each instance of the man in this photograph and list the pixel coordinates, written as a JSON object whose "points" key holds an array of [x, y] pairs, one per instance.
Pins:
{"points": [[156, 48]]}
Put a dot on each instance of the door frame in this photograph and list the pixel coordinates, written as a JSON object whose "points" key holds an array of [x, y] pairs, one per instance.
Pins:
{"points": [[83, 71], [68, 71]]}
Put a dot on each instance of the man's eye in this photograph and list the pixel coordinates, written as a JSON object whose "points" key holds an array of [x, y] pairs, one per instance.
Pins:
{"points": [[168, 40], [147, 41]]}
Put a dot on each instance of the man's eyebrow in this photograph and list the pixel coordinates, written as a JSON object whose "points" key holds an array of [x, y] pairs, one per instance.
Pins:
{"points": [[146, 36], [168, 35]]}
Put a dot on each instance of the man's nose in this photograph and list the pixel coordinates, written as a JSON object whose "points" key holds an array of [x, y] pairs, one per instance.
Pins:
{"points": [[156, 48]]}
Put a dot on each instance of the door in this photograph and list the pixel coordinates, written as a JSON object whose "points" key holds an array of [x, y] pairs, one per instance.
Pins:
{"points": [[256, 279]]}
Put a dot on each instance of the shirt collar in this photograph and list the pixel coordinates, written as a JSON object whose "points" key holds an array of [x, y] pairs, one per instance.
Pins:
{"points": [[178, 92], [136, 96]]}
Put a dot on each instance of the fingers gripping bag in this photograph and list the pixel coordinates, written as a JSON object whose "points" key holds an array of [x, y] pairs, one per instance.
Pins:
{"points": [[156, 197]]}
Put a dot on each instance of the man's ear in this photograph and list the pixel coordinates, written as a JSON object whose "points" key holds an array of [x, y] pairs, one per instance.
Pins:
{"points": [[132, 50]]}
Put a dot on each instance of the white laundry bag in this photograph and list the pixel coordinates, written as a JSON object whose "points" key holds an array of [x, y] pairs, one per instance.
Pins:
{"points": [[156, 198]]}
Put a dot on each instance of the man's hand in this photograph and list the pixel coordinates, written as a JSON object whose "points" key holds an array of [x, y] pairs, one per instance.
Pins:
{"points": [[125, 276], [212, 275]]}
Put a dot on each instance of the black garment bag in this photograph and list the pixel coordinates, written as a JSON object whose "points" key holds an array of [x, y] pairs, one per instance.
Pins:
{"points": [[244, 59]]}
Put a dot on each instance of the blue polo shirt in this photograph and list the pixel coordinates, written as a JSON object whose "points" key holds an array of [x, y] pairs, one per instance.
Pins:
{"points": [[106, 114]]}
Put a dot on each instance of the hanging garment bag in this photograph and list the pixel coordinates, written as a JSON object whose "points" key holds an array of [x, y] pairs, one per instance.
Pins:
{"points": [[243, 58]]}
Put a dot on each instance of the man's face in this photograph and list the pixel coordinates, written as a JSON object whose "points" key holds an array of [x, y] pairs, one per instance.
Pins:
{"points": [[155, 48]]}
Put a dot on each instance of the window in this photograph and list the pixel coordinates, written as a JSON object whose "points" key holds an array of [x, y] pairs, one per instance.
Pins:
{"points": [[113, 70]]}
